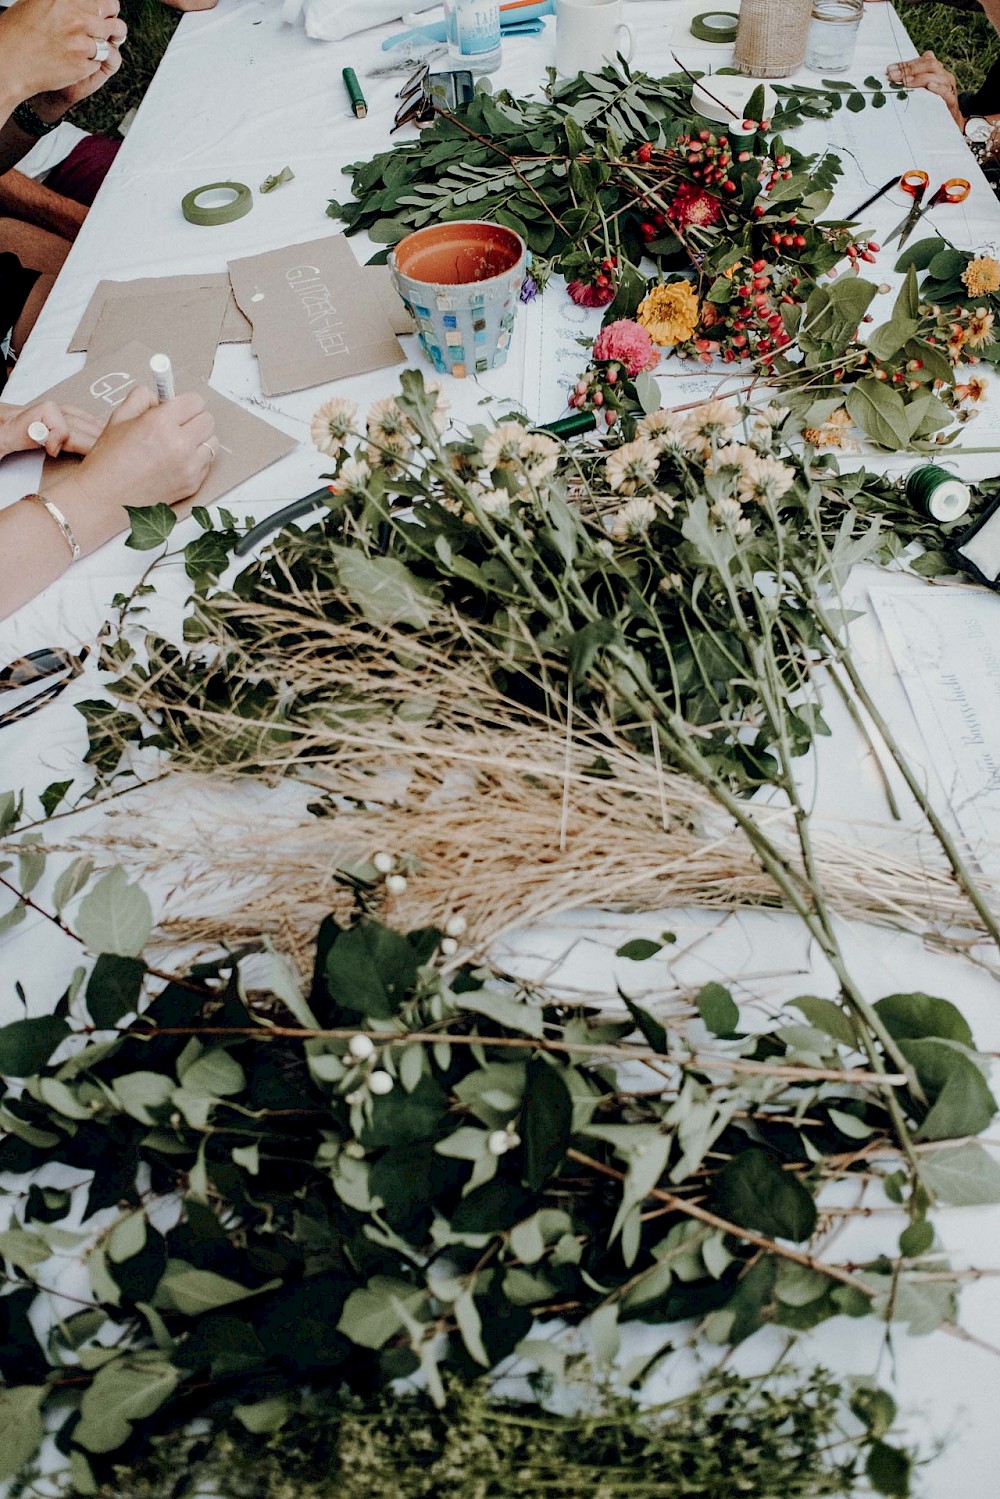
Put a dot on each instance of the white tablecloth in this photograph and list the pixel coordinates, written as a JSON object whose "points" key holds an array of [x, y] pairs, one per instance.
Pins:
{"points": [[240, 96]]}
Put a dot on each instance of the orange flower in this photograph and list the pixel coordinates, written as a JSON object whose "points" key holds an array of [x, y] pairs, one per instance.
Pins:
{"points": [[669, 313], [980, 330], [981, 276]]}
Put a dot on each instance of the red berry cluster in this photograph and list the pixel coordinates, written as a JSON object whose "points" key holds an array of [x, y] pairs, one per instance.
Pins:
{"points": [[751, 326]]}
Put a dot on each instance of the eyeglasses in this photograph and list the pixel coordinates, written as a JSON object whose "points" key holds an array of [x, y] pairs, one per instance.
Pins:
{"points": [[417, 106], [424, 93], [53, 668]]}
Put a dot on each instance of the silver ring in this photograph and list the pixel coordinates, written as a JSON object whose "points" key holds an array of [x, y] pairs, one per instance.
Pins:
{"points": [[102, 50], [212, 451]]}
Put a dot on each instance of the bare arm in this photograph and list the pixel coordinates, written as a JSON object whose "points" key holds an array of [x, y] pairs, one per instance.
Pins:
{"points": [[147, 455], [23, 198]]}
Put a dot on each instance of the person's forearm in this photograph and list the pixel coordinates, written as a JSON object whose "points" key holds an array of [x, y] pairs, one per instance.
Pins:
{"points": [[992, 11], [33, 550], [23, 198], [14, 143]]}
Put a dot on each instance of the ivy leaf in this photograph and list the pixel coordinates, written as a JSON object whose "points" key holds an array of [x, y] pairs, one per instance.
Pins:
{"points": [[20, 1427], [53, 795], [753, 1191], [114, 988], [718, 1010], [151, 525], [961, 1102], [967, 1176], [115, 917], [26, 1045], [546, 1123]]}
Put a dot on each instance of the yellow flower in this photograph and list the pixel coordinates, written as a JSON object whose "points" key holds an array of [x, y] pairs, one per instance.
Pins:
{"points": [[833, 432], [669, 313], [981, 276], [980, 329]]}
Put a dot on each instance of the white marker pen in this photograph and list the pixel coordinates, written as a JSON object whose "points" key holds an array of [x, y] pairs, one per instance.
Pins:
{"points": [[163, 374]]}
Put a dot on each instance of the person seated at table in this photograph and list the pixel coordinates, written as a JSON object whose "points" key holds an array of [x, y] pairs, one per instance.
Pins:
{"points": [[53, 54], [147, 454]]}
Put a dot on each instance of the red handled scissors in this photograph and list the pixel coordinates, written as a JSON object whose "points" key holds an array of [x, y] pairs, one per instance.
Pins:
{"points": [[916, 183]]}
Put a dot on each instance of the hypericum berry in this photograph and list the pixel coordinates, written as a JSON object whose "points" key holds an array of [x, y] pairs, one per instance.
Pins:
{"points": [[644, 152], [758, 210], [749, 124], [648, 231], [874, 247], [729, 187], [800, 242]]}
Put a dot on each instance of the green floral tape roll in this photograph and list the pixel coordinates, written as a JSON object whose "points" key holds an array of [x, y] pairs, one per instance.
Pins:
{"points": [[938, 493], [715, 26], [217, 203]]}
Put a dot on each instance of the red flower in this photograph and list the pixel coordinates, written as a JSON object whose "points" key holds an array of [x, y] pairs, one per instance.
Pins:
{"points": [[586, 294], [692, 205]]}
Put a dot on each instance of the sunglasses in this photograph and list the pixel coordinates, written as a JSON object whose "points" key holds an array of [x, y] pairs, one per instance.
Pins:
{"points": [[424, 93], [50, 670]]}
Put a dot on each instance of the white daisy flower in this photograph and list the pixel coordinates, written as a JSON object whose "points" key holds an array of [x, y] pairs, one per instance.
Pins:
{"points": [[632, 467], [354, 475], [386, 418], [634, 518], [502, 448], [765, 479], [665, 429], [539, 455], [442, 406], [731, 455], [495, 502], [332, 424], [727, 512]]}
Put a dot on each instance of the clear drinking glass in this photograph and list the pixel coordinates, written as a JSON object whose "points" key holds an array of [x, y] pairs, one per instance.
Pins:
{"points": [[833, 36]]}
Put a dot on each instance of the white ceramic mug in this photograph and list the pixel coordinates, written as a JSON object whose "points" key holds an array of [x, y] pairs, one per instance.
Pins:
{"points": [[590, 33]]}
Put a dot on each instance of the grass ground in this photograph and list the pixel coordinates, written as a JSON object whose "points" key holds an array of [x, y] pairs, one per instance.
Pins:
{"points": [[962, 38]]}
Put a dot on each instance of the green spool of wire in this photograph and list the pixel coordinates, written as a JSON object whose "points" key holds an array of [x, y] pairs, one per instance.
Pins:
{"points": [[938, 493], [715, 26]]}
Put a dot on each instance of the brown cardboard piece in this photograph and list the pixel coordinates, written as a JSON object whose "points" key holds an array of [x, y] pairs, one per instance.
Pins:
{"points": [[400, 320], [245, 444], [235, 328], [316, 316], [184, 325]]}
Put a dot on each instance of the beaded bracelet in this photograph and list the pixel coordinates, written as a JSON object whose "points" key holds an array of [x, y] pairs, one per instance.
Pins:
{"points": [[61, 522]]}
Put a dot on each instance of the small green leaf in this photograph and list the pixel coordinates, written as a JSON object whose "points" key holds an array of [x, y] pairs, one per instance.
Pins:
{"points": [[215, 1074], [53, 795], [20, 1427], [966, 1177], [827, 1016], [72, 880], [114, 988], [753, 1191], [546, 1123], [26, 1045], [914, 1017], [265, 1416], [151, 525], [194, 1291], [639, 949], [888, 1470], [917, 1239], [718, 1010], [605, 1339], [649, 1027], [122, 1392], [115, 917], [385, 591], [369, 1317], [471, 1327]]}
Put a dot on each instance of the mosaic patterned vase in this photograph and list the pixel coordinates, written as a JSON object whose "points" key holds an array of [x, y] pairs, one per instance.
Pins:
{"points": [[461, 284]]}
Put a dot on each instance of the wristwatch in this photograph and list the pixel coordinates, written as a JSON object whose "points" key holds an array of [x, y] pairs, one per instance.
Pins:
{"points": [[977, 132], [26, 119]]}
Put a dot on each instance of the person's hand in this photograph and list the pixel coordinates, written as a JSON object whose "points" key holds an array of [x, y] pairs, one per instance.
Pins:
{"points": [[53, 105], [150, 454], [70, 430], [926, 72], [191, 4], [49, 45]]}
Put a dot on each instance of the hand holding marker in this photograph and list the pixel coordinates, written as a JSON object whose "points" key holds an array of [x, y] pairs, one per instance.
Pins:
{"points": [[163, 376]]}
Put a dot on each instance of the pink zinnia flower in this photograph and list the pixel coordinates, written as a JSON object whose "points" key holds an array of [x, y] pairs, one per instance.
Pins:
{"points": [[630, 344], [586, 294]]}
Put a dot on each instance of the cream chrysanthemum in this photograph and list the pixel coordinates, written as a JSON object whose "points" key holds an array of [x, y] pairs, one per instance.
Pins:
{"points": [[495, 502], [633, 519], [539, 455], [665, 430], [729, 513], [765, 479], [354, 475], [502, 448], [731, 455], [442, 405], [333, 424], [710, 425], [632, 467], [386, 418]]}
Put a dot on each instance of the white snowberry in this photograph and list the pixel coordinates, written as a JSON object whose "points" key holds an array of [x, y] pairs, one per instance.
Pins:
{"points": [[456, 926], [384, 863], [361, 1047], [380, 1083], [448, 946], [498, 1142], [396, 884]]}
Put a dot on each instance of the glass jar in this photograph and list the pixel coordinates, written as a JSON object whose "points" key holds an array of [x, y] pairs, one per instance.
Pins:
{"points": [[473, 31], [833, 36]]}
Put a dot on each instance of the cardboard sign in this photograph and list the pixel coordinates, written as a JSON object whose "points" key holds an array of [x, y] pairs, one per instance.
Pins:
{"points": [[235, 328], [316, 316], [244, 444], [184, 325]]}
